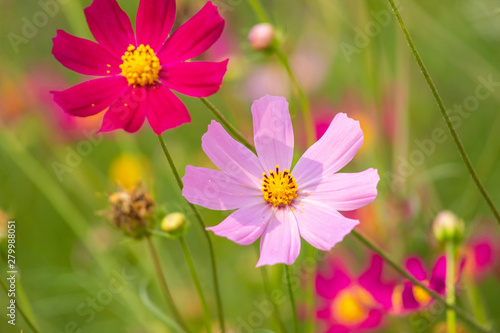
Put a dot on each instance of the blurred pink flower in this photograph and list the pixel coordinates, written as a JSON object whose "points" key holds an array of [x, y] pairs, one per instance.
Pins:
{"points": [[353, 304], [139, 74], [479, 257], [408, 297], [283, 206]]}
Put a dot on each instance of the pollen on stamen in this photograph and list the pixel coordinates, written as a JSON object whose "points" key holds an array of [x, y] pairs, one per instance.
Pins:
{"points": [[140, 66], [279, 188]]}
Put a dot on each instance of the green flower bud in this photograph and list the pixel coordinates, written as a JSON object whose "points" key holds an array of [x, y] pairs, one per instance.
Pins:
{"points": [[174, 224], [261, 36], [448, 228]]}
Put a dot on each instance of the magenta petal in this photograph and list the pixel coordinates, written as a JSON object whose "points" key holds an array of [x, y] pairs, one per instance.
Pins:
{"points": [[321, 225], [280, 243], [110, 26], [216, 190], [127, 113], [332, 152], [416, 268], [91, 97], [155, 19], [483, 254], [231, 157], [371, 280], [408, 298], [344, 191], [84, 56], [194, 37], [373, 320], [197, 79], [329, 287], [245, 225], [165, 110], [273, 132], [438, 276]]}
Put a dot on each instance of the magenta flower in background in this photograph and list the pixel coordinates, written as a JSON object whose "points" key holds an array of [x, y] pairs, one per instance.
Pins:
{"points": [[139, 71], [353, 304], [408, 297], [479, 257], [273, 202]]}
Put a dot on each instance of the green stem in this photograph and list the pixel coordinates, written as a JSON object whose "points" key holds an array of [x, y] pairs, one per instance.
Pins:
{"points": [[450, 286], [197, 283], [205, 232], [465, 316], [474, 299], [292, 301], [230, 128], [259, 11], [304, 103], [163, 284], [19, 309], [267, 290], [445, 115]]}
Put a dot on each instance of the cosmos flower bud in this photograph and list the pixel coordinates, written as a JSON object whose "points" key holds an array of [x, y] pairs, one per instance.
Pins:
{"points": [[448, 228], [261, 36], [174, 224], [133, 211]]}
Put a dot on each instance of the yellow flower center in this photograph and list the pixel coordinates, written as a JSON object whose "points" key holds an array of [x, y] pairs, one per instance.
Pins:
{"points": [[140, 66], [351, 305], [279, 188], [422, 296]]}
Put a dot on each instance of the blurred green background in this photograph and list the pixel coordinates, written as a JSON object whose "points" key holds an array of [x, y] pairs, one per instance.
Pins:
{"points": [[349, 57]]}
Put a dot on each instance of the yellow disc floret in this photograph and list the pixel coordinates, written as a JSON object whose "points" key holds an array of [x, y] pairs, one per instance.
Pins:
{"points": [[352, 305], [140, 65], [279, 188]]}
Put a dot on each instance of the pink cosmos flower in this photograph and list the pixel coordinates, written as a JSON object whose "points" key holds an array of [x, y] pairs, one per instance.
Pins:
{"points": [[353, 304], [273, 202], [479, 257], [140, 70]]}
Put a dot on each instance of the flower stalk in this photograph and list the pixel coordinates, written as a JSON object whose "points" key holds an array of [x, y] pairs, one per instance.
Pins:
{"points": [[445, 114], [207, 236], [292, 301], [450, 286]]}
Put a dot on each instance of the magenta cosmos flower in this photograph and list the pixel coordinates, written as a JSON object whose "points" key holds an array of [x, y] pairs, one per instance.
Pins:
{"points": [[353, 304], [273, 202], [140, 70]]}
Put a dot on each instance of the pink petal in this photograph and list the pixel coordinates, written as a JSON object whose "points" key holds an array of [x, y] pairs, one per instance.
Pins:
{"points": [[343, 191], [84, 56], [165, 110], [438, 276], [280, 243], [416, 268], [110, 26], [273, 132], [128, 112], [245, 225], [155, 19], [329, 287], [483, 254], [194, 37], [332, 152], [373, 320], [321, 225], [232, 157], [371, 280], [197, 79], [408, 298], [91, 97], [216, 190]]}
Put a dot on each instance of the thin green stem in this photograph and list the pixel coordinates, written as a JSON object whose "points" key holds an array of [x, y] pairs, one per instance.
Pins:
{"points": [[267, 290], [163, 284], [196, 280], [474, 299], [237, 134], [445, 115], [304, 103], [292, 301], [450, 286], [20, 309], [259, 11], [463, 315], [207, 236]]}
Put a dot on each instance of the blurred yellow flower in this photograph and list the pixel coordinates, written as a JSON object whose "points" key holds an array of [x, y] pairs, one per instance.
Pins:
{"points": [[126, 170]]}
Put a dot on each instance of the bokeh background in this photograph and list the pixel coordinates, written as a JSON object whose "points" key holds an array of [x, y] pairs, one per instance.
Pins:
{"points": [[349, 56]]}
